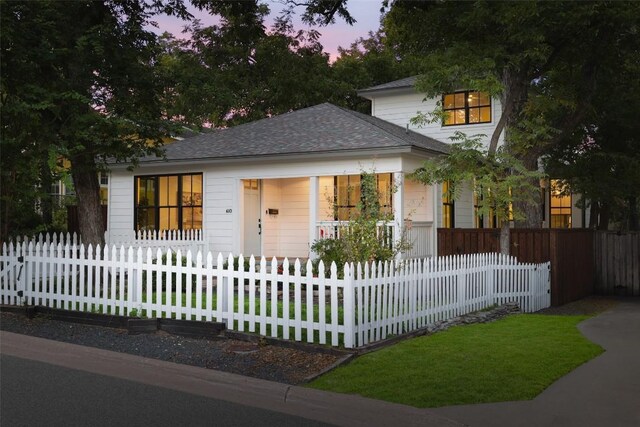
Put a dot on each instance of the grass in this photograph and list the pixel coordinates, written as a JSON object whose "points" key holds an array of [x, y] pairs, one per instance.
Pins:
{"points": [[515, 358]]}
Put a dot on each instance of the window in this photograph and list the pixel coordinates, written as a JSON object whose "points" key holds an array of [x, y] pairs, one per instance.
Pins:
{"points": [[447, 206], [468, 107], [478, 218], [168, 202], [560, 205], [104, 179], [348, 195]]}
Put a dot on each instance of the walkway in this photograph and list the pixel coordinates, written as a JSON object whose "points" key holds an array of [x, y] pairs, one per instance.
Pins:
{"points": [[602, 392]]}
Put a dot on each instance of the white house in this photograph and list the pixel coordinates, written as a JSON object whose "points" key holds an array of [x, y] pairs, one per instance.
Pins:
{"points": [[265, 187], [473, 113]]}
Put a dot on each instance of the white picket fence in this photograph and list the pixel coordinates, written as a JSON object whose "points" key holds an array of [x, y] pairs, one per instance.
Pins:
{"points": [[367, 303]]}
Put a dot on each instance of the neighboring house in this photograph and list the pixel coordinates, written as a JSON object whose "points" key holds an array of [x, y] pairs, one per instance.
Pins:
{"points": [[473, 113], [265, 187]]}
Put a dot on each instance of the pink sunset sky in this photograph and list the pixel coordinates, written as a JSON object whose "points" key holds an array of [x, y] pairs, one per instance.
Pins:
{"points": [[366, 13]]}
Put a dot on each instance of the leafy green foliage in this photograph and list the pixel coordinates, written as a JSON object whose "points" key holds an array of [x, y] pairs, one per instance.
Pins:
{"points": [[366, 237], [499, 180], [511, 359]]}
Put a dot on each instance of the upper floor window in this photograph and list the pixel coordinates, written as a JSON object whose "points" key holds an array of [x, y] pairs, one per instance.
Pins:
{"points": [[168, 202], [468, 107]]}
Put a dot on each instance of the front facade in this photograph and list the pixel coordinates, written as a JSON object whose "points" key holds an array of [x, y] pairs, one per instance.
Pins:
{"points": [[274, 186], [295, 184]]}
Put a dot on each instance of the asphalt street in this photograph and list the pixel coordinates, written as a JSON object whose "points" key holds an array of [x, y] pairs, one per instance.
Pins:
{"points": [[39, 394]]}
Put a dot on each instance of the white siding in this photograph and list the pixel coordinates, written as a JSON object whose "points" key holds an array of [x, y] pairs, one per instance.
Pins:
{"points": [[400, 108], [417, 201]]}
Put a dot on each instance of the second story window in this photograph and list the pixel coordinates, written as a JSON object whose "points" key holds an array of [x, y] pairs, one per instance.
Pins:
{"points": [[465, 108]]}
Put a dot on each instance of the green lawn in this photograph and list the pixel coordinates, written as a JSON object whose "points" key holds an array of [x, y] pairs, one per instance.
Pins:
{"points": [[511, 359]]}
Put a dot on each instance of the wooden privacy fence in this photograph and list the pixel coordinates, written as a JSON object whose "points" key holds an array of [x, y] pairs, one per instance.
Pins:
{"points": [[570, 253], [617, 261], [364, 304]]}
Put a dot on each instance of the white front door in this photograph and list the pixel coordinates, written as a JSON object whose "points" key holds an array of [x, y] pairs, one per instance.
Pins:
{"points": [[252, 219]]}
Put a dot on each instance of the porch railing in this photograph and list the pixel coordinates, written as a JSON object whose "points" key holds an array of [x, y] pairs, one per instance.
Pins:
{"points": [[184, 240], [418, 233]]}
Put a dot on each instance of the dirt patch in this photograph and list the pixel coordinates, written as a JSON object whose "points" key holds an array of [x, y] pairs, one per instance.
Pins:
{"points": [[589, 306], [268, 362]]}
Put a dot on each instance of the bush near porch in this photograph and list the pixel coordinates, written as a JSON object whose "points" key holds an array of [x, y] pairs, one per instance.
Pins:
{"points": [[511, 359]]}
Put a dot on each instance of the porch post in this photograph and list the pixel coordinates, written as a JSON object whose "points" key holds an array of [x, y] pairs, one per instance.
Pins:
{"points": [[313, 212], [398, 206], [436, 208]]}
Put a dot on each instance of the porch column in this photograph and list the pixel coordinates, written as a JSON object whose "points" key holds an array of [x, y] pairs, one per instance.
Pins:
{"points": [[398, 206], [436, 200], [313, 212]]}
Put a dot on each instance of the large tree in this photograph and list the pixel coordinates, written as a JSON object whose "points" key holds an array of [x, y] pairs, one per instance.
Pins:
{"points": [[79, 81], [543, 60]]}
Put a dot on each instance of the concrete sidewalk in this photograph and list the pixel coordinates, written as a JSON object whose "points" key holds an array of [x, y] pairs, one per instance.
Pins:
{"points": [[602, 392]]}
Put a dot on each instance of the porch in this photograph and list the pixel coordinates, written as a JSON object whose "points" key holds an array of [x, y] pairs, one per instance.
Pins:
{"points": [[282, 217]]}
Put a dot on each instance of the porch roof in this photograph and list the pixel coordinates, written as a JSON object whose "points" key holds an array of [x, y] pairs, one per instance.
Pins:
{"points": [[323, 128]]}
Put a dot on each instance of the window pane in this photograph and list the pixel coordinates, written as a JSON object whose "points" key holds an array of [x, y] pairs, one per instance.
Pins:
{"points": [[146, 219], [146, 192], [449, 118], [461, 117], [474, 115], [384, 189], [485, 114], [473, 99], [168, 190], [484, 98], [192, 218], [449, 101], [168, 219]]}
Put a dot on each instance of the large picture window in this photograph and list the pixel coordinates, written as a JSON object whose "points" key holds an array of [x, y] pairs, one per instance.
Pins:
{"points": [[168, 202], [465, 108], [348, 194]]}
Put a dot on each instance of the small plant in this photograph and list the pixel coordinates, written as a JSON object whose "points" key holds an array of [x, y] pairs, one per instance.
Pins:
{"points": [[134, 313]]}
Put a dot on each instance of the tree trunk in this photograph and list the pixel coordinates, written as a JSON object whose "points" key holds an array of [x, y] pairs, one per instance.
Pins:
{"points": [[530, 210], [603, 223], [46, 199], [85, 180], [505, 238], [593, 215]]}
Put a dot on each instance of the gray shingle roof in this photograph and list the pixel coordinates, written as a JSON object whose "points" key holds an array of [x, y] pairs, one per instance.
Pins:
{"points": [[397, 84], [322, 128]]}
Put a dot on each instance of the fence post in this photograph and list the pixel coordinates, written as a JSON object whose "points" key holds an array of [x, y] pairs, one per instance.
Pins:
{"points": [[349, 312]]}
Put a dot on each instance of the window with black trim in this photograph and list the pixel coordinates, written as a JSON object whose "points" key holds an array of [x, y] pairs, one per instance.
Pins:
{"points": [[448, 207], [478, 217], [168, 202], [560, 205], [347, 194], [466, 108]]}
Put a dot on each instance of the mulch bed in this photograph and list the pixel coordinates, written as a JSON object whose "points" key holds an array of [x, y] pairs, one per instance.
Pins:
{"points": [[589, 306], [286, 365]]}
